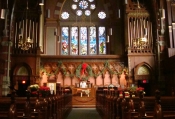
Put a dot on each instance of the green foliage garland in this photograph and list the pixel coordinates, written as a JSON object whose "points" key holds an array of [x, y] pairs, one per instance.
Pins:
{"points": [[89, 72]]}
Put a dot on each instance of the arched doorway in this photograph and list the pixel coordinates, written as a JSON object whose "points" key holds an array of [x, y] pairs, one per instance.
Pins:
{"points": [[21, 79], [142, 76]]}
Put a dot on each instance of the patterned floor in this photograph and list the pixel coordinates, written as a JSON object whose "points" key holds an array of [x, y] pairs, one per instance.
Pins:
{"points": [[83, 113]]}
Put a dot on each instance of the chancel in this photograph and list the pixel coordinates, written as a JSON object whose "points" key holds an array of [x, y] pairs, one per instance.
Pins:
{"points": [[116, 57]]}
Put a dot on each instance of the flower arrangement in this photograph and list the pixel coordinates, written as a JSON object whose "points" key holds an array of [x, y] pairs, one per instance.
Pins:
{"points": [[34, 87], [37, 90], [140, 89], [132, 89], [44, 88], [141, 92], [44, 91]]}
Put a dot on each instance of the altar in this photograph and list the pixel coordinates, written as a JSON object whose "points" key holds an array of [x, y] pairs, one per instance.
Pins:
{"points": [[83, 97], [82, 91]]}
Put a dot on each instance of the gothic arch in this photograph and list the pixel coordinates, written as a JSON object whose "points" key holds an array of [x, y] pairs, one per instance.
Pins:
{"points": [[17, 68], [143, 71], [21, 72]]}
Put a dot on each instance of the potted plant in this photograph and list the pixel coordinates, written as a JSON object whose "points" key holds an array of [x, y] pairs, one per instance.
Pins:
{"points": [[141, 92], [132, 90], [44, 91], [33, 89]]}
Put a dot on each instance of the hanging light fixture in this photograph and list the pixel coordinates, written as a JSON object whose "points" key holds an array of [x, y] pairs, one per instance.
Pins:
{"points": [[56, 35], [41, 2], [24, 41]]}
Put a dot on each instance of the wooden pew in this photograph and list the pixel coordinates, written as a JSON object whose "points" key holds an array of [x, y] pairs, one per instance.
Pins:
{"points": [[52, 107], [133, 108], [4, 109]]}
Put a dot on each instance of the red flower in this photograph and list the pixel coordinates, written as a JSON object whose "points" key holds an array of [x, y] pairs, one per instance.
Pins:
{"points": [[140, 89], [84, 66], [44, 88], [34, 93]]}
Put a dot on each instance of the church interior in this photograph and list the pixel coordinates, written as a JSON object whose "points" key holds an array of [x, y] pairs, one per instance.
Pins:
{"points": [[65, 54]]}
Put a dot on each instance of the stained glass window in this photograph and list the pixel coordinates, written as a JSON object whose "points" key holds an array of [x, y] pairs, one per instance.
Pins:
{"points": [[74, 6], [74, 41], [83, 40], [91, 0], [65, 15], [92, 6], [79, 12], [65, 41], [75, 0], [93, 41], [83, 4], [102, 15], [87, 12], [102, 40]]}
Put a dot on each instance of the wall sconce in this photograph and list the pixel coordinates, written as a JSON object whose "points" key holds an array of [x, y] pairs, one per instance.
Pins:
{"points": [[55, 32], [3, 13], [41, 2], [108, 39], [56, 35], [48, 13], [110, 31]]}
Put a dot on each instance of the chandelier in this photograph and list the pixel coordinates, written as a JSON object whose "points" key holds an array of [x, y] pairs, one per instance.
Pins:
{"points": [[25, 42]]}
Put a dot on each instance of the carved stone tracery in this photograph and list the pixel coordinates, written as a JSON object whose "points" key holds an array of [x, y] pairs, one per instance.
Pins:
{"points": [[94, 69]]}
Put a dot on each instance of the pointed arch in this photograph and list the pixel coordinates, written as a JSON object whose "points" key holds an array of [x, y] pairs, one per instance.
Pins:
{"points": [[143, 71], [22, 69]]}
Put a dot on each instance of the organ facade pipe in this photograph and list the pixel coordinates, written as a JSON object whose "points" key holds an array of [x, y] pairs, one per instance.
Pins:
{"points": [[41, 29]]}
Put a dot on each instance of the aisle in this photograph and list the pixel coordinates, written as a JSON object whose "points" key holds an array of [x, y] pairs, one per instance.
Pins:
{"points": [[83, 113]]}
